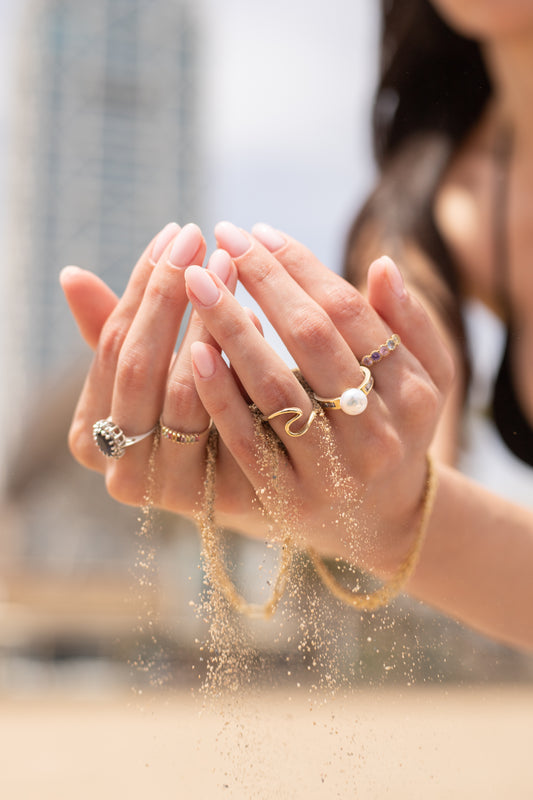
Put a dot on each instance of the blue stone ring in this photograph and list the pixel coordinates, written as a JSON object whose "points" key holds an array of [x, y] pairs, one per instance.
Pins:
{"points": [[111, 440], [352, 401]]}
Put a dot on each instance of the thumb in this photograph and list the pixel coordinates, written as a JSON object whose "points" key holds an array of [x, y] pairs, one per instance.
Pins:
{"points": [[90, 300]]}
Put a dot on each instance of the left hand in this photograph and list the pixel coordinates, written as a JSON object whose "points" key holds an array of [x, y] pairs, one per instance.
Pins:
{"points": [[327, 325]]}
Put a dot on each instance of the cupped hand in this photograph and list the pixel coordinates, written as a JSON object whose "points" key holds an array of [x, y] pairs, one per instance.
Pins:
{"points": [[137, 378], [327, 326]]}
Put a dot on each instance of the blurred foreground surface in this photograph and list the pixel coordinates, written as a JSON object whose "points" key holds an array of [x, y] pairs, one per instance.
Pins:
{"points": [[409, 743]]}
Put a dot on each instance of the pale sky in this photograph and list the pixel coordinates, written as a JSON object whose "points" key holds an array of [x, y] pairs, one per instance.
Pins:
{"points": [[288, 87]]}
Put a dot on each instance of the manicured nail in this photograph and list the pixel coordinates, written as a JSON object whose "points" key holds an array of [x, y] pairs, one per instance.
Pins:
{"points": [[202, 286], [394, 276], [69, 270], [220, 264], [270, 237], [185, 247], [232, 239], [163, 238], [203, 360]]}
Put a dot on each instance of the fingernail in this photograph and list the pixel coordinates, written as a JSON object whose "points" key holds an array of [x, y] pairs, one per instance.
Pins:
{"points": [[220, 264], [394, 276], [163, 238], [69, 270], [269, 237], [185, 246], [202, 286], [232, 239], [203, 360]]}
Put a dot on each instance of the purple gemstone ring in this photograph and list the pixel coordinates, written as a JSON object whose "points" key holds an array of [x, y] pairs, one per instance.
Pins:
{"points": [[382, 351], [111, 440]]}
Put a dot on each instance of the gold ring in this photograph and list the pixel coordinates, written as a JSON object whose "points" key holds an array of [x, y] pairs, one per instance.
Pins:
{"points": [[382, 351], [297, 414], [183, 438], [352, 401]]}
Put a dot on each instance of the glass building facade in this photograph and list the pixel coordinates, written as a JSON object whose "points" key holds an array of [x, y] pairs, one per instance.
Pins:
{"points": [[105, 153]]}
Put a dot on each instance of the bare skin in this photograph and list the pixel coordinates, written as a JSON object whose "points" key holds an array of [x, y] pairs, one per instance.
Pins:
{"points": [[476, 562], [325, 322]]}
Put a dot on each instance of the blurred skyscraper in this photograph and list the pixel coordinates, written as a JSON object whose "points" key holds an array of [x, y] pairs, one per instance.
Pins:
{"points": [[105, 152]]}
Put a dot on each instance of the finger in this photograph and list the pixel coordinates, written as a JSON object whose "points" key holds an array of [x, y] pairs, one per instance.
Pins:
{"points": [[354, 314], [405, 315], [224, 402], [96, 396], [359, 323], [145, 357], [309, 334], [183, 411], [90, 300], [267, 380], [348, 309], [255, 320]]}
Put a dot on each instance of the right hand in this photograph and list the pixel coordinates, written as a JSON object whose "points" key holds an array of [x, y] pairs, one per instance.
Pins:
{"points": [[137, 379]]}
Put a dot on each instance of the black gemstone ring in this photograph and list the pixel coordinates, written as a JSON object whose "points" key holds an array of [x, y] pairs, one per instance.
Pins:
{"points": [[111, 440]]}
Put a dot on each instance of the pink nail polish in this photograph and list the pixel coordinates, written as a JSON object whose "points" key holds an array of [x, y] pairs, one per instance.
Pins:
{"points": [[220, 264], [164, 237], [394, 277], [202, 286], [185, 247], [269, 237], [232, 239], [203, 360]]}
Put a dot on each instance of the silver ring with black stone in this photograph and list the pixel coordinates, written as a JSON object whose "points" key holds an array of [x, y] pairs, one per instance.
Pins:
{"points": [[112, 441]]}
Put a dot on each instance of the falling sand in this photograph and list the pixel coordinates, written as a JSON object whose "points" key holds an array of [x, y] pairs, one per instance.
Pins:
{"points": [[319, 651]]}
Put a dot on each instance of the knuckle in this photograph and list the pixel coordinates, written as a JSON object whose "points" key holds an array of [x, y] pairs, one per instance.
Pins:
{"points": [[111, 341], [276, 391], [231, 327], [265, 272], [218, 406], [344, 306], [423, 401], [387, 450], [182, 396], [132, 370], [163, 292], [310, 327]]}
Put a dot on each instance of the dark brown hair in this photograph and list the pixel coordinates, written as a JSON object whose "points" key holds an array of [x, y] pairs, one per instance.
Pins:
{"points": [[433, 87]]}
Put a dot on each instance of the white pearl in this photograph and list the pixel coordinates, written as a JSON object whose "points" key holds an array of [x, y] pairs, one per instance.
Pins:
{"points": [[353, 401]]}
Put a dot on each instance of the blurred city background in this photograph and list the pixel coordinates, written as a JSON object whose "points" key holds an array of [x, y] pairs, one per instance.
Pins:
{"points": [[117, 116]]}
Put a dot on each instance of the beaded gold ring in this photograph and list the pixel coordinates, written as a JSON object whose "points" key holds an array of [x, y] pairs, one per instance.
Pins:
{"points": [[183, 438], [382, 351]]}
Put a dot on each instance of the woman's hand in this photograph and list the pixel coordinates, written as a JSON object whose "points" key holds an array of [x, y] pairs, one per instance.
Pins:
{"points": [[137, 379], [327, 326]]}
